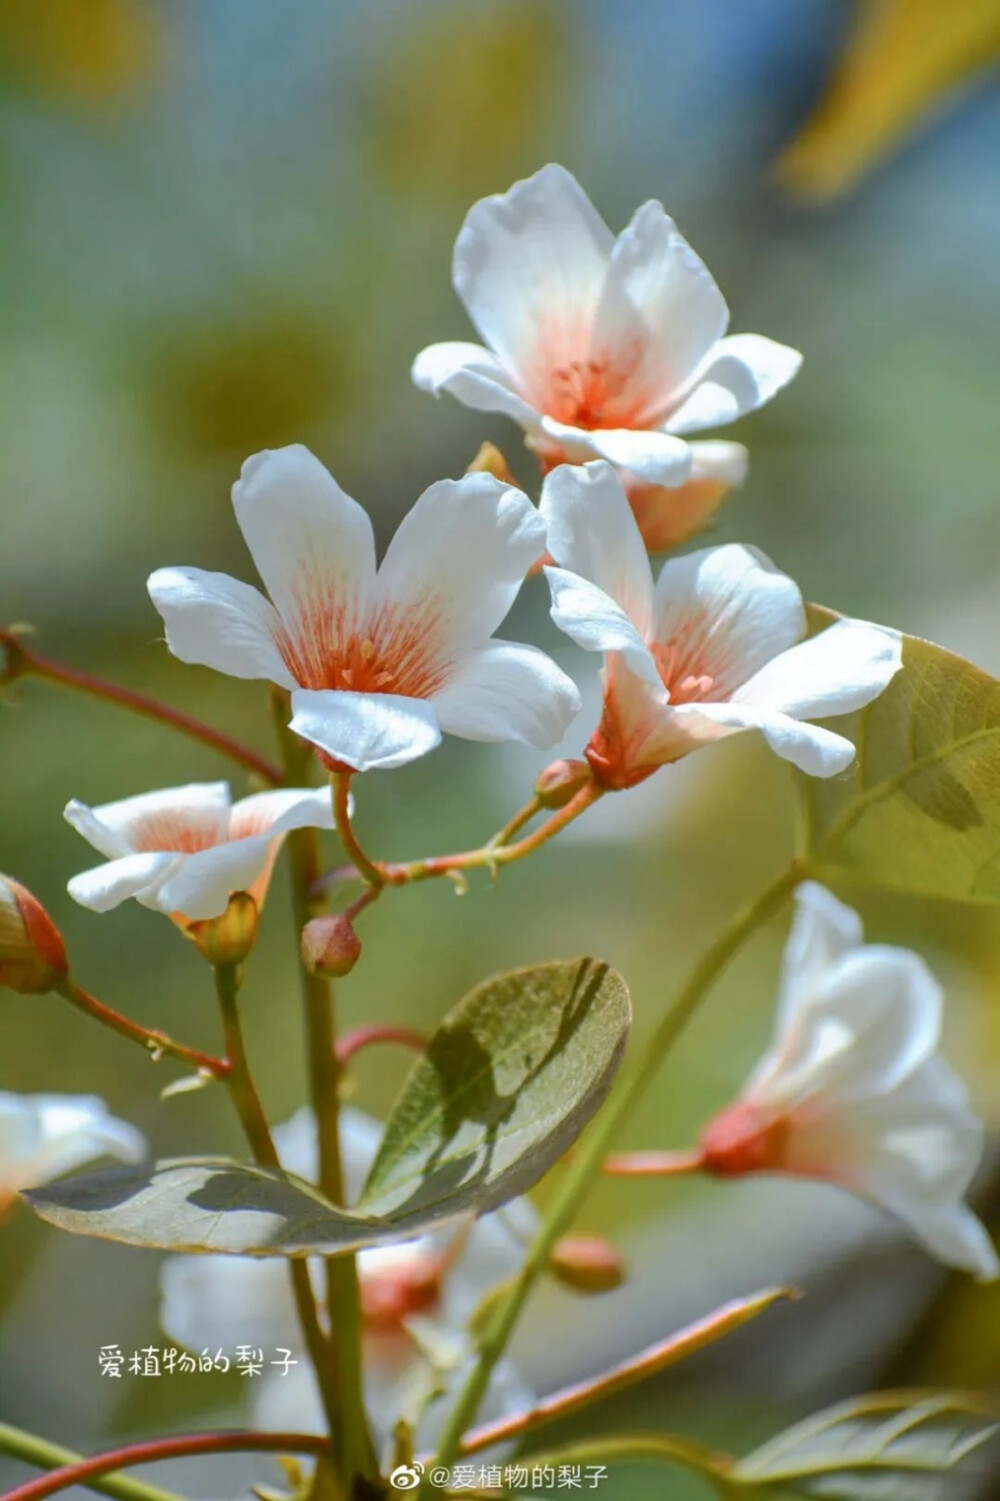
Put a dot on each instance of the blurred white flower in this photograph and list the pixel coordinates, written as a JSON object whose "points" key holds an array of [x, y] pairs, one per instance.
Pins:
{"points": [[415, 1298], [185, 850], [379, 662], [853, 1091], [43, 1136], [717, 646], [602, 347]]}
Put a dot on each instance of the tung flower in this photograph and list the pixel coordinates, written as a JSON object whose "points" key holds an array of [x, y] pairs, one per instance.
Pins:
{"points": [[853, 1091], [604, 348], [379, 662], [184, 851], [43, 1136], [716, 646], [415, 1298]]}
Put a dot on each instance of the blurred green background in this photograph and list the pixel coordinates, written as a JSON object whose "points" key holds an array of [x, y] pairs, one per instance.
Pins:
{"points": [[229, 226]]}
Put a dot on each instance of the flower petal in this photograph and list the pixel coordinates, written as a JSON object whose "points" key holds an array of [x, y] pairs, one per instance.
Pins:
{"points": [[220, 1302], [659, 295], [43, 1136], [823, 931], [458, 560], [366, 730], [277, 812], [530, 260], [656, 457], [474, 377], [836, 672], [744, 372], [596, 622], [172, 818], [107, 886], [506, 691], [592, 533], [495, 1248], [813, 749], [215, 621], [727, 611], [716, 460], [201, 884], [312, 544]]}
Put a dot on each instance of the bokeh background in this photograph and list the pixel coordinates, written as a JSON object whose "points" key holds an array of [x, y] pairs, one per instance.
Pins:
{"points": [[229, 226]]}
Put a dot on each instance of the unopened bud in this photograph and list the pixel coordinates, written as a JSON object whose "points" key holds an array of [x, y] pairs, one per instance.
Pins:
{"points": [[489, 460], [32, 953], [227, 939], [587, 1264], [330, 946], [559, 783]]}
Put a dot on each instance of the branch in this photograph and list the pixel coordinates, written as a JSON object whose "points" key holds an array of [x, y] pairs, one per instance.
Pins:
{"points": [[155, 1042], [32, 1450]]}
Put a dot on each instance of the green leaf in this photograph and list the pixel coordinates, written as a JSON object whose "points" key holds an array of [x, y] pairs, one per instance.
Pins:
{"points": [[510, 1079], [920, 808], [914, 1446]]}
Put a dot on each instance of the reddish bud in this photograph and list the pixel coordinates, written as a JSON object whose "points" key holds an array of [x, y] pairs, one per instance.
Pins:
{"points": [[559, 783], [587, 1264], [744, 1138], [32, 953], [227, 939], [330, 946]]}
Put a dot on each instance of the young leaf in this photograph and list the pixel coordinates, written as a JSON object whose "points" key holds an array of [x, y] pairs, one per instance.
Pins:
{"points": [[915, 1445], [920, 808], [508, 1082]]}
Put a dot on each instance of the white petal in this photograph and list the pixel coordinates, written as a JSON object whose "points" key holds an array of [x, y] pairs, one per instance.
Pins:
{"points": [[215, 621], [592, 532], [494, 1251], [660, 295], [508, 692], [278, 812], [594, 621], [530, 263], [744, 372], [201, 884], [107, 886], [823, 931], [728, 611], [169, 819], [312, 544], [43, 1136], [458, 560], [727, 462], [360, 1138], [656, 457], [953, 1235], [474, 377], [219, 1302], [812, 748], [366, 730], [836, 672]]}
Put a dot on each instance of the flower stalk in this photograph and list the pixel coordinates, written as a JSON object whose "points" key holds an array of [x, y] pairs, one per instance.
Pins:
{"points": [[155, 1042]]}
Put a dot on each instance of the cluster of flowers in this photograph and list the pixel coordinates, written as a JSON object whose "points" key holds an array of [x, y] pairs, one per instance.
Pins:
{"points": [[609, 353]]}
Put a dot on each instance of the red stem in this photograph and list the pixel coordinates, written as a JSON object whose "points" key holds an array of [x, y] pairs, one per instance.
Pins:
{"points": [[153, 1041], [28, 663], [364, 1037], [653, 1164], [180, 1447]]}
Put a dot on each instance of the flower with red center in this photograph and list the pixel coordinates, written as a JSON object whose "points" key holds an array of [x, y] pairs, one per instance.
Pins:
{"points": [[604, 348], [853, 1091], [186, 850], [379, 661], [716, 646], [416, 1302]]}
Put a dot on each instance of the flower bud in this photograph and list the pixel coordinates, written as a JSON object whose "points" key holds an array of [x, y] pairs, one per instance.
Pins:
{"points": [[744, 1138], [227, 939], [489, 460], [587, 1264], [32, 954], [559, 783], [330, 946]]}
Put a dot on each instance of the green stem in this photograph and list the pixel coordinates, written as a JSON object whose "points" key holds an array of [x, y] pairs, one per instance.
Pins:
{"points": [[36, 1451], [254, 1121], [587, 1164], [354, 1444], [640, 1446]]}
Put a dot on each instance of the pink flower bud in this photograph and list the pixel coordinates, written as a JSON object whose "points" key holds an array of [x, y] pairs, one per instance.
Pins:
{"points": [[559, 783], [587, 1264], [330, 946], [32, 954]]}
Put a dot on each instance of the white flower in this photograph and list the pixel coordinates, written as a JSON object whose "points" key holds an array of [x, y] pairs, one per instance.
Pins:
{"points": [[853, 1090], [43, 1136], [184, 851], [415, 1296], [379, 662], [716, 646], [600, 348]]}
